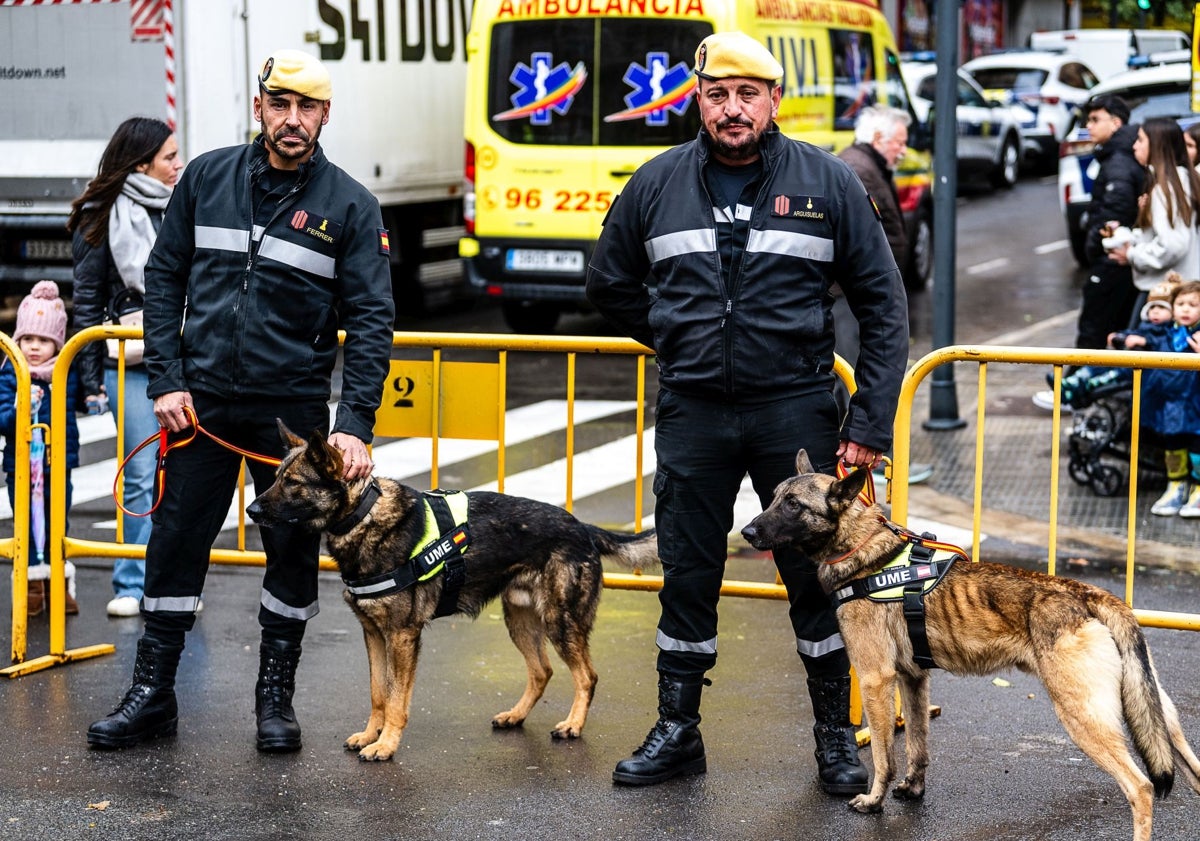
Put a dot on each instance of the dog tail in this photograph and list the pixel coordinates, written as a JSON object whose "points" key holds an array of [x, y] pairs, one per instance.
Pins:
{"points": [[1142, 698], [1186, 762], [634, 551]]}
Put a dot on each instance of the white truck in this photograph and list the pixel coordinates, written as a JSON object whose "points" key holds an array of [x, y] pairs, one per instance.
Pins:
{"points": [[72, 71]]}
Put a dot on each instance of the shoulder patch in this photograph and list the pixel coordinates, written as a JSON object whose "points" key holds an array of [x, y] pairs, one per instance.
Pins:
{"points": [[798, 207], [385, 247], [875, 207]]}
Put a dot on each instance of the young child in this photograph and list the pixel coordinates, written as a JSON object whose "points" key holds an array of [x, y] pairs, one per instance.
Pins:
{"points": [[1078, 386], [1171, 402], [40, 333]]}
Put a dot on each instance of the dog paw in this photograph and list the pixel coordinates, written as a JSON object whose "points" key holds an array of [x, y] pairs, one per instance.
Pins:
{"points": [[506, 721], [866, 804], [909, 790], [565, 730], [375, 753], [358, 741]]}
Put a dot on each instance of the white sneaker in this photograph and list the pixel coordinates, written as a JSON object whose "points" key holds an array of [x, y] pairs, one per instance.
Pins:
{"points": [[1045, 400], [1173, 499], [124, 606], [1191, 509]]}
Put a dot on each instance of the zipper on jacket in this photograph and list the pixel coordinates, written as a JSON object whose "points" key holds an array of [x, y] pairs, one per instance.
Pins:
{"points": [[289, 198]]}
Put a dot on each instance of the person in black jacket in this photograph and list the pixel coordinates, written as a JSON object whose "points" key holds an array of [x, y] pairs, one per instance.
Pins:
{"points": [[113, 224], [720, 255], [265, 252], [1109, 295], [880, 139]]}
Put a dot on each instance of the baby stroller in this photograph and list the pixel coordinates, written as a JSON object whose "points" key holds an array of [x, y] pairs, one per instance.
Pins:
{"points": [[1103, 421]]}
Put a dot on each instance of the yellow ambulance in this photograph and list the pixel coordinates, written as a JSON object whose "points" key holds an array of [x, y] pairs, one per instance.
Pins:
{"points": [[566, 98]]}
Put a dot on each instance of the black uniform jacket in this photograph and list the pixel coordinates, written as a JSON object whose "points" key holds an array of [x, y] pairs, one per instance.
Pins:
{"points": [[768, 333], [242, 311]]}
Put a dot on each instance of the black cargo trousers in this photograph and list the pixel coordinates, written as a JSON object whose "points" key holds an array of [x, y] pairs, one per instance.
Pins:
{"points": [[705, 449]]}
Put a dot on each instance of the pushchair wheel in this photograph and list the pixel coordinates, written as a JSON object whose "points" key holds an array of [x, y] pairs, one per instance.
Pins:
{"points": [[1078, 468], [1107, 481]]}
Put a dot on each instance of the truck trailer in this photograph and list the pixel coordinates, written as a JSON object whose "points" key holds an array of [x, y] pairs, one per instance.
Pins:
{"points": [[71, 71]]}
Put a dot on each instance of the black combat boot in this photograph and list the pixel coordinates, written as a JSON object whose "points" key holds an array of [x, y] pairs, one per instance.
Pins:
{"points": [[837, 751], [673, 745], [278, 730], [148, 709]]}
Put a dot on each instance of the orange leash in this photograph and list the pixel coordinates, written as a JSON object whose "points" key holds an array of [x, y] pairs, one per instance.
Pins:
{"points": [[165, 446]]}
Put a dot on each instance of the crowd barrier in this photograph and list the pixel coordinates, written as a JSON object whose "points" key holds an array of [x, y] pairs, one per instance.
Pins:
{"points": [[436, 396]]}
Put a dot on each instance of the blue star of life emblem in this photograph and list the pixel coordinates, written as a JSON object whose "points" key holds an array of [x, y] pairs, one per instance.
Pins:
{"points": [[655, 82], [539, 81]]}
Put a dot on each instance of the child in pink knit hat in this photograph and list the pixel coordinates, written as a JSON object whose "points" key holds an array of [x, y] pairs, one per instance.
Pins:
{"points": [[40, 334]]}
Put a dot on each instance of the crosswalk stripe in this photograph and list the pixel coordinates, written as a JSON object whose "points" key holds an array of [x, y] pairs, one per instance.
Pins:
{"points": [[400, 459]]}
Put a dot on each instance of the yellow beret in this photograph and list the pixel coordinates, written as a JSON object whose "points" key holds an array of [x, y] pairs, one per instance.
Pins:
{"points": [[725, 55], [293, 71]]}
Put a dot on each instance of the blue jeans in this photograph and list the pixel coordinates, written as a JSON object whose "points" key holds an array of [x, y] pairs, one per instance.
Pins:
{"points": [[129, 574]]}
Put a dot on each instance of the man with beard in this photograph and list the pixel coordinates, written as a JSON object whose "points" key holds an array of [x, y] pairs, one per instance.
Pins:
{"points": [[265, 252], [720, 255]]}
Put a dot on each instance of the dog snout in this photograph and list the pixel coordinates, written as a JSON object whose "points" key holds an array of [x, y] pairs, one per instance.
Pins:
{"points": [[752, 535], [256, 511]]}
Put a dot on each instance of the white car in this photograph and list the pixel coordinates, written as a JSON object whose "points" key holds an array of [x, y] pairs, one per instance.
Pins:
{"points": [[1161, 91], [989, 140], [1050, 85]]}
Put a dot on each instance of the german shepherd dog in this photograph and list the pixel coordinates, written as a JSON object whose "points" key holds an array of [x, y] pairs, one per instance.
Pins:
{"points": [[1082, 641], [544, 564]]}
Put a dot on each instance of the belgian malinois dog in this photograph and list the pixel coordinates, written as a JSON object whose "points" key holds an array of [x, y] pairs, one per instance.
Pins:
{"points": [[1082, 641], [544, 564]]}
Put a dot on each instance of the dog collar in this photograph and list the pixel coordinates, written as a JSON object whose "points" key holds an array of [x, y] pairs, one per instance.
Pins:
{"points": [[365, 503]]}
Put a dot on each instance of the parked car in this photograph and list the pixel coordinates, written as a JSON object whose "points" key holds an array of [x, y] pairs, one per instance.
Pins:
{"points": [[1162, 91], [989, 140], [1050, 85], [1109, 51]]}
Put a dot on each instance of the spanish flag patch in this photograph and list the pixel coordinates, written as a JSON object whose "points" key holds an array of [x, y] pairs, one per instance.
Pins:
{"points": [[385, 247]]}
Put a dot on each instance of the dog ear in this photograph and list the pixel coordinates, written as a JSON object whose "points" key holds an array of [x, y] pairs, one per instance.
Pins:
{"points": [[290, 440], [803, 465], [326, 458], [843, 492]]}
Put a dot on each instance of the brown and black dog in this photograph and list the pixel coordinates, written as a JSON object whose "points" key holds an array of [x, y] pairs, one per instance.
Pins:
{"points": [[543, 564], [1082, 641]]}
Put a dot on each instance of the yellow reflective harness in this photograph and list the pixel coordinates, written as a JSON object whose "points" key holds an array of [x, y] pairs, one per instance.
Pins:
{"points": [[908, 578], [440, 551]]}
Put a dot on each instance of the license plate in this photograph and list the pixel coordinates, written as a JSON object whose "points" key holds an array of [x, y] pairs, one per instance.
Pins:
{"points": [[539, 260], [46, 249]]}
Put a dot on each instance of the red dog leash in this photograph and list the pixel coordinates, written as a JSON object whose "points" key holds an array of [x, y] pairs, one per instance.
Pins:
{"points": [[165, 446]]}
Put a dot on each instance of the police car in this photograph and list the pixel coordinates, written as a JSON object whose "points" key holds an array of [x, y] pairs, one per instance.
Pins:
{"points": [[1050, 85], [989, 139], [1158, 91]]}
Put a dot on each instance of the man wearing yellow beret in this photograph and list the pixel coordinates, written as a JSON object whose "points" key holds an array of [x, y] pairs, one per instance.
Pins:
{"points": [[740, 234], [268, 249]]}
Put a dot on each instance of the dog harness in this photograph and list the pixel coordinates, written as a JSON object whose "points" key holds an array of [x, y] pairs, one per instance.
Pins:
{"points": [[441, 550], [908, 578]]}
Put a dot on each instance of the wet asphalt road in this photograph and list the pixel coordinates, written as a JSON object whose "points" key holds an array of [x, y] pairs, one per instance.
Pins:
{"points": [[1002, 766]]}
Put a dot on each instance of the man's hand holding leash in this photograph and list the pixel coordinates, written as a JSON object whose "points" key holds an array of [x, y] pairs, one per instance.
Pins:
{"points": [[857, 455], [173, 410]]}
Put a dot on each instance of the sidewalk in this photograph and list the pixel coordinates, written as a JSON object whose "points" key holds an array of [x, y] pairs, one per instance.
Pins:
{"points": [[1016, 487]]}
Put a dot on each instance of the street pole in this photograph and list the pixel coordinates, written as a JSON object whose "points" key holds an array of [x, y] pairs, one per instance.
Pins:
{"points": [[943, 401]]}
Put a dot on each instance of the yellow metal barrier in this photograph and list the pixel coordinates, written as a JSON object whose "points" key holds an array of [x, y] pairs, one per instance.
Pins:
{"points": [[1057, 358]]}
